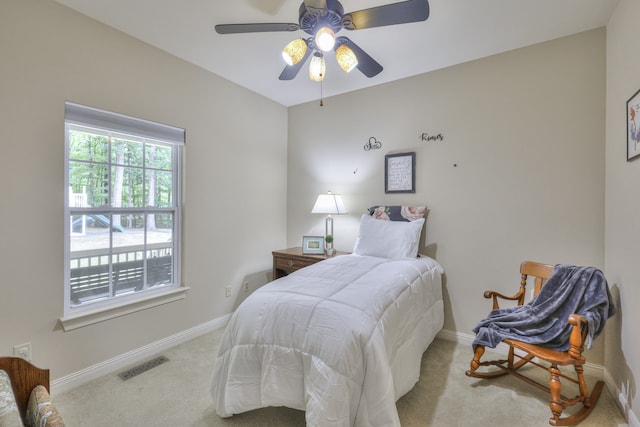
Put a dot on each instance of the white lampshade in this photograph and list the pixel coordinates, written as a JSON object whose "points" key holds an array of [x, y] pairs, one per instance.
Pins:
{"points": [[325, 39], [329, 204]]}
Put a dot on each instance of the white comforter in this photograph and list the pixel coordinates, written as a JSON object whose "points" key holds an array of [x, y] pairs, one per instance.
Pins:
{"points": [[342, 339]]}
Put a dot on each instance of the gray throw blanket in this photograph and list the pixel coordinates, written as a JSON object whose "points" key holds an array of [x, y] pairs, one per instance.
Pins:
{"points": [[543, 321]]}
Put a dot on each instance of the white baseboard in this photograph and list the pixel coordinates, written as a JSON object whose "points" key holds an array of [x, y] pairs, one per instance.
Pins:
{"points": [[66, 383], [622, 399]]}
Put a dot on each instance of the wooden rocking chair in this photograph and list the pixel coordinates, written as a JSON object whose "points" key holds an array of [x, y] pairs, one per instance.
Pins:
{"points": [[573, 356]]}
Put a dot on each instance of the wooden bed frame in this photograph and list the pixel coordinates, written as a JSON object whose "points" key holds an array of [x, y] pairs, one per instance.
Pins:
{"points": [[24, 378]]}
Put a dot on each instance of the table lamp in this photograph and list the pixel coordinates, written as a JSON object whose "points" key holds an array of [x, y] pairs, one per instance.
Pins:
{"points": [[330, 204]]}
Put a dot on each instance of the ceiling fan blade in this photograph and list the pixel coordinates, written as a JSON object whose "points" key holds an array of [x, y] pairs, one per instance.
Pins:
{"points": [[366, 63], [315, 5], [255, 28], [390, 14], [291, 71], [270, 7]]}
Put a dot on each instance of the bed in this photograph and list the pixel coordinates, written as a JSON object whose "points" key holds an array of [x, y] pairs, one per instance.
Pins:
{"points": [[341, 339]]}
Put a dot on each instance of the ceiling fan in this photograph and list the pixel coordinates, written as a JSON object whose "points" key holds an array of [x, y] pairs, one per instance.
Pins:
{"points": [[322, 19]]}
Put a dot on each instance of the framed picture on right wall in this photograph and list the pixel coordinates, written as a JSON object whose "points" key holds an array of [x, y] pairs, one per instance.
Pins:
{"points": [[633, 126]]}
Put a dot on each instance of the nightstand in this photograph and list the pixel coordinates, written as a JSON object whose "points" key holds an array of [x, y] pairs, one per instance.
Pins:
{"points": [[286, 261]]}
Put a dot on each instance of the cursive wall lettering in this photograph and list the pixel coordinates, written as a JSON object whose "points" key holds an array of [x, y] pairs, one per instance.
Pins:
{"points": [[425, 137]]}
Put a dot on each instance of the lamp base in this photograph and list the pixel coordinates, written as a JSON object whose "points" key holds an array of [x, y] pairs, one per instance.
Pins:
{"points": [[328, 231]]}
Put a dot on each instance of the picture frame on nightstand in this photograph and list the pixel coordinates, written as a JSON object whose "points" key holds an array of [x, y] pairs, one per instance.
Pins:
{"points": [[313, 245]]}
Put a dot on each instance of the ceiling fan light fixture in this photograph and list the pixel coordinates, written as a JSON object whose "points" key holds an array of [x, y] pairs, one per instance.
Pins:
{"points": [[294, 51], [321, 19], [325, 39], [317, 68], [347, 60]]}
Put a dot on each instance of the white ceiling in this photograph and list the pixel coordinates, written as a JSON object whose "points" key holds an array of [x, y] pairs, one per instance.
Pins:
{"points": [[456, 31]]}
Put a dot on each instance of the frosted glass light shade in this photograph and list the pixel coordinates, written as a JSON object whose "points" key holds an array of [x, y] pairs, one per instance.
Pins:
{"points": [[325, 39], [294, 51], [317, 68], [347, 60]]}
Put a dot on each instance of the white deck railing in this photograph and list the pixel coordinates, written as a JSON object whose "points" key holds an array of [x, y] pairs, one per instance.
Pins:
{"points": [[78, 200], [93, 278]]}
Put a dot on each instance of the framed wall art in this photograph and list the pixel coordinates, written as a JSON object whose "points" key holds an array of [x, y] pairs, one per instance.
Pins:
{"points": [[633, 126], [400, 173], [313, 245]]}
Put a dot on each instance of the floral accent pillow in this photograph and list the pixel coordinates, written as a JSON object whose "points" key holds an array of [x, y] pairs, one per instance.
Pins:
{"points": [[398, 213]]}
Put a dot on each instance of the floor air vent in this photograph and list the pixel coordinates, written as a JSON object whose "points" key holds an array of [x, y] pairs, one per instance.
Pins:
{"points": [[143, 367]]}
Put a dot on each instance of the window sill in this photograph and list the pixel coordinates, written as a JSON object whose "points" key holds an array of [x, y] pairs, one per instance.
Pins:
{"points": [[89, 317]]}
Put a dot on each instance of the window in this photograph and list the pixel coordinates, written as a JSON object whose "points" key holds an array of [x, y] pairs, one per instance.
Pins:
{"points": [[122, 215]]}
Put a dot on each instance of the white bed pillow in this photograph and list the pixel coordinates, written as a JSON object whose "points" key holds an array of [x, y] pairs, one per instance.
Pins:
{"points": [[388, 239]]}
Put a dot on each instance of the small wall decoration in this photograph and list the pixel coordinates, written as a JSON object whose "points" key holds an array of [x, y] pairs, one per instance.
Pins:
{"points": [[633, 126], [313, 245], [400, 173], [425, 137], [373, 143]]}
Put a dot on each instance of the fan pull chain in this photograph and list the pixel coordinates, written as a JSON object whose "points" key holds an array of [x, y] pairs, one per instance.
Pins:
{"points": [[321, 79]]}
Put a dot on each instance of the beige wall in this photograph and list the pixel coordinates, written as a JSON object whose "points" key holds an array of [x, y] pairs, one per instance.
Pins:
{"points": [[525, 130], [519, 175], [50, 54], [622, 243]]}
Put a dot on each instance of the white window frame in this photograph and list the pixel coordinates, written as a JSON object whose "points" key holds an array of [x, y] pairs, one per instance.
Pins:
{"points": [[115, 306]]}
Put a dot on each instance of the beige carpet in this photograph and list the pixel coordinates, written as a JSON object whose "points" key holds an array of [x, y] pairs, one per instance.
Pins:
{"points": [[176, 394]]}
